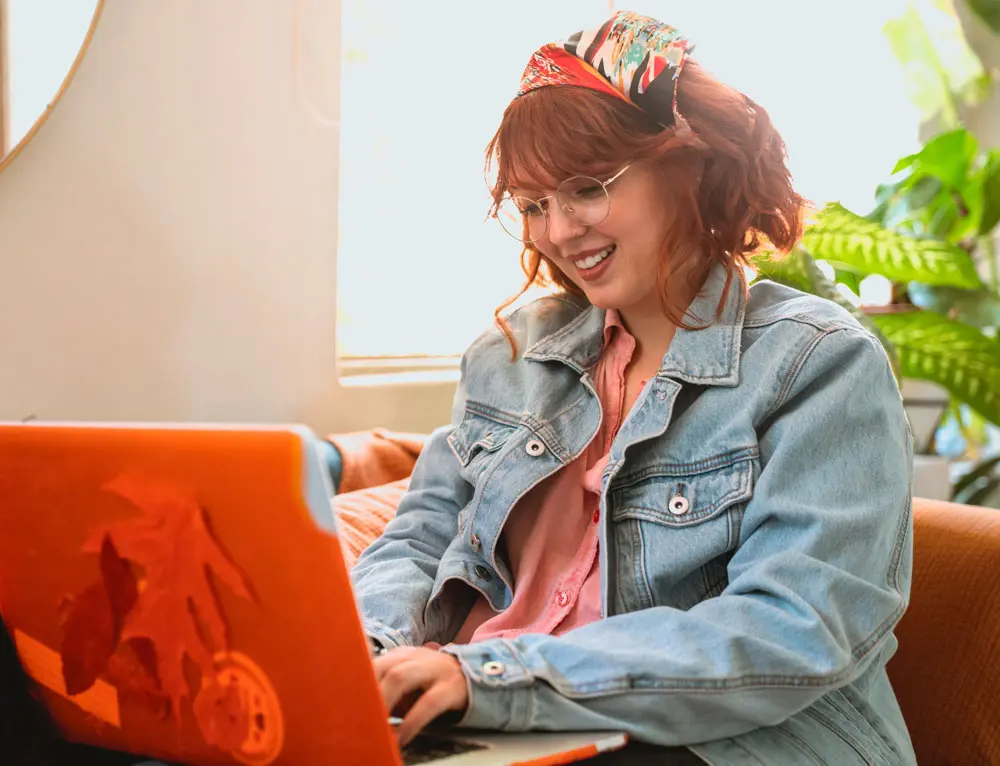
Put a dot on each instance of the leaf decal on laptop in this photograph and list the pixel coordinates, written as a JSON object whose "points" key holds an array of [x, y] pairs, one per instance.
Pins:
{"points": [[92, 624], [132, 670], [176, 608]]}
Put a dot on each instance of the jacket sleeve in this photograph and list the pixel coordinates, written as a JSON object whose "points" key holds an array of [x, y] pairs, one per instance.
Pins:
{"points": [[819, 580], [393, 578]]}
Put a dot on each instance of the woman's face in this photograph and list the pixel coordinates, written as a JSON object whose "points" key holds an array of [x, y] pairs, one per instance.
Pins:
{"points": [[627, 245]]}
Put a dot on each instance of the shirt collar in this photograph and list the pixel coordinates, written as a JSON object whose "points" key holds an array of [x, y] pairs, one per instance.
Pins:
{"points": [[709, 357], [612, 323]]}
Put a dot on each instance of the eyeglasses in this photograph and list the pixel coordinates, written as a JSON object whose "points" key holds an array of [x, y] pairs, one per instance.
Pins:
{"points": [[583, 199]]}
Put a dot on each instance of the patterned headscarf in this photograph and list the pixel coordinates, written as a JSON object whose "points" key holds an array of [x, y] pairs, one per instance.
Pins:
{"points": [[632, 57]]}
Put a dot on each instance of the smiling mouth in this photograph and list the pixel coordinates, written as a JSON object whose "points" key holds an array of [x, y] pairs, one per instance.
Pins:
{"points": [[592, 260]]}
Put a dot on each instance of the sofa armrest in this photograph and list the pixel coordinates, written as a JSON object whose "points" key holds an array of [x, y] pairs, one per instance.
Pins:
{"points": [[377, 457]]}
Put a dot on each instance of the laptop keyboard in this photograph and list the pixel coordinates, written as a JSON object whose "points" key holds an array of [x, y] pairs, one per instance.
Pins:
{"points": [[426, 748]]}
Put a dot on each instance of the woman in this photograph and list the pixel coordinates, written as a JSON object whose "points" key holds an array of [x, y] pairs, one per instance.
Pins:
{"points": [[667, 503]]}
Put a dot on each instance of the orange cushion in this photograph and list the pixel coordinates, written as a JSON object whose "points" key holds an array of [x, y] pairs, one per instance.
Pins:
{"points": [[947, 671], [373, 458], [362, 515]]}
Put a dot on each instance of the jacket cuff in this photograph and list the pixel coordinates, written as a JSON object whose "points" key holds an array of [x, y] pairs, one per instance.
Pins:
{"points": [[384, 635], [500, 685]]}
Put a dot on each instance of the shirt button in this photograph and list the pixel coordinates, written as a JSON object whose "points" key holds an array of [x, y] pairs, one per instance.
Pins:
{"points": [[679, 505], [661, 394], [562, 598], [476, 544], [494, 669], [483, 573], [534, 448]]}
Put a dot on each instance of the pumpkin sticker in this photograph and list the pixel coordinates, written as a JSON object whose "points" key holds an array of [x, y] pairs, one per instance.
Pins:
{"points": [[238, 711]]}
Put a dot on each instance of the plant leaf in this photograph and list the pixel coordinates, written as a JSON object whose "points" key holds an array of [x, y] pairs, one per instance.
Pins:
{"points": [[954, 355], [980, 471], [904, 205], [919, 191], [991, 191], [824, 288], [784, 269], [799, 270], [848, 241], [927, 81], [939, 63], [947, 157], [979, 308], [942, 194], [849, 279], [985, 495], [988, 11]]}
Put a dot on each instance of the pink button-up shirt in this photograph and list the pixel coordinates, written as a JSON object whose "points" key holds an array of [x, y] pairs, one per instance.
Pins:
{"points": [[551, 535]]}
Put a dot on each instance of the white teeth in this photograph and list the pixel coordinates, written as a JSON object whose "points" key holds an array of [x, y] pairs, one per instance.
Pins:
{"points": [[592, 260]]}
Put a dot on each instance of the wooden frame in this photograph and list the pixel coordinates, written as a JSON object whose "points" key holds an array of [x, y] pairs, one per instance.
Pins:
{"points": [[6, 159]]}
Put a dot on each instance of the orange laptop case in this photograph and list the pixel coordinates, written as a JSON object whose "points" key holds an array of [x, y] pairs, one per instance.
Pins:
{"points": [[179, 592]]}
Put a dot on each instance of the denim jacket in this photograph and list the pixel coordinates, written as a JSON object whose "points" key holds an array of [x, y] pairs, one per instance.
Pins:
{"points": [[755, 540]]}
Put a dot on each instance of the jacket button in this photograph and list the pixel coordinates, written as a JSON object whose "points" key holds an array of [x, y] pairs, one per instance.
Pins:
{"points": [[679, 505], [494, 669], [483, 573], [534, 448], [475, 542]]}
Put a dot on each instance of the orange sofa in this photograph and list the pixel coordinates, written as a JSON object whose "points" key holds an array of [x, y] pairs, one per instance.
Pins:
{"points": [[947, 670]]}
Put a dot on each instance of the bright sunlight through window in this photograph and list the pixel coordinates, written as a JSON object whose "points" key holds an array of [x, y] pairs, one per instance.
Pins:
{"points": [[420, 270]]}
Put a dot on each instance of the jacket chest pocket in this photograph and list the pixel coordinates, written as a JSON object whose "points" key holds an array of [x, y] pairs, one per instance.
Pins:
{"points": [[675, 528], [477, 443]]}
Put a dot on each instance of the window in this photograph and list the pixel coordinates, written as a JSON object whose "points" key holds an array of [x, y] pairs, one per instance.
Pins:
{"points": [[424, 86], [4, 87], [39, 41]]}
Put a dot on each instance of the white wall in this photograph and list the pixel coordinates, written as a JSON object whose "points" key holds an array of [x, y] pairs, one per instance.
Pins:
{"points": [[168, 239]]}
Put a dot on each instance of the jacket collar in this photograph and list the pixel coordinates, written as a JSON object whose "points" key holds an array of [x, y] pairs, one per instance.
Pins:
{"points": [[707, 357]]}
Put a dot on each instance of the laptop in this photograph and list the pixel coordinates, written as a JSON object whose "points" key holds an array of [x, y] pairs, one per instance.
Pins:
{"points": [[179, 592]]}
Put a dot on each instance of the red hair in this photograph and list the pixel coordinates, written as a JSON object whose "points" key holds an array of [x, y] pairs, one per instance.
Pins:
{"points": [[733, 191]]}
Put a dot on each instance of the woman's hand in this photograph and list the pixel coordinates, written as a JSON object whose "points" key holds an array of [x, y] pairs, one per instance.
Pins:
{"points": [[419, 684]]}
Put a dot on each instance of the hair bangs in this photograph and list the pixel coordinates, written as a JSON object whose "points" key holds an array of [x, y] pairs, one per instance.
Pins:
{"points": [[557, 132]]}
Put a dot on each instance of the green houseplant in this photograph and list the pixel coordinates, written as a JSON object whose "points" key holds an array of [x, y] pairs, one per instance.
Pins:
{"points": [[932, 235]]}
